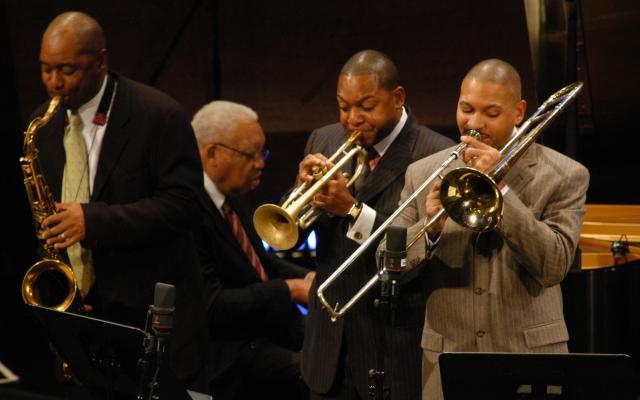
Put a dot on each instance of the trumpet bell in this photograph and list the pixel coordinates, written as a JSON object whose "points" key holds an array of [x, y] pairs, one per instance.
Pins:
{"points": [[472, 199], [275, 226], [50, 283]]}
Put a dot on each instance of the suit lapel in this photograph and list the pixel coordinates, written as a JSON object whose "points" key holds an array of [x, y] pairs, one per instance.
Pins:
{"points": [[115, 137], [219, 224], [238, 206], [247, 223], [521, 173], [394, 162]]}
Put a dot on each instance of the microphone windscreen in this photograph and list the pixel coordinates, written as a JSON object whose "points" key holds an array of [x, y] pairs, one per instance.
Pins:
{"points": [[164, 295], [396, 241]]}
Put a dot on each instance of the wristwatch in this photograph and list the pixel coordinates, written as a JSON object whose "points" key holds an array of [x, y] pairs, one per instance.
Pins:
{"points": [[354, 211]]}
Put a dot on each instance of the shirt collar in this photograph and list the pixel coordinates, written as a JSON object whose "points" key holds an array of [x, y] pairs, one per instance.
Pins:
{"points": [[88, 110], [382, 146], [215, 194]]}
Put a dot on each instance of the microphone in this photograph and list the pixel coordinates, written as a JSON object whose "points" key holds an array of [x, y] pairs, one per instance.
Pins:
{"points": [[161, 312], [396, 252], [162, 309]]}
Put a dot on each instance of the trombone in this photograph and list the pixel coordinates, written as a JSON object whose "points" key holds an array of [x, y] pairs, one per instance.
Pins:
{"points": [[470, 197], [279, 225]]}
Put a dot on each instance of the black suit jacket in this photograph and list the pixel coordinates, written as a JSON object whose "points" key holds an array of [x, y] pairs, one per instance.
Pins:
{"points": [[142, 209], [355, 333], [243, 310]]}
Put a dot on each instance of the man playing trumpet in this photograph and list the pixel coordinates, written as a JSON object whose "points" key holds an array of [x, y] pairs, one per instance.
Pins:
{"points": [[337, 355]]}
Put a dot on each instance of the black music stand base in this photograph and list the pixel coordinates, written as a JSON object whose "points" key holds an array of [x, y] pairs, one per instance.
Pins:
{"points": [[102, 356]]}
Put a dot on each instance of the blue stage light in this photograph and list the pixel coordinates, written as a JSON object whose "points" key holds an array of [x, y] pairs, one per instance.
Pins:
{"points": [[311, 241]]}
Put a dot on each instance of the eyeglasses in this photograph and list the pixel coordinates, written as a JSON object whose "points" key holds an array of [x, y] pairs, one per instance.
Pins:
{"points": [[261, 155]]}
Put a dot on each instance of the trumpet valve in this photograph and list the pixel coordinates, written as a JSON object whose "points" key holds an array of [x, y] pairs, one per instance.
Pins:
{"points": [[317, 172]]}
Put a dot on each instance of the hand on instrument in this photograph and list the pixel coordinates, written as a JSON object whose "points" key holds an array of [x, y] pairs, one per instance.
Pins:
{"points": [[479, 155], [334, 197], [305, 168], [433, 205], [65, 227], [299, 288]]}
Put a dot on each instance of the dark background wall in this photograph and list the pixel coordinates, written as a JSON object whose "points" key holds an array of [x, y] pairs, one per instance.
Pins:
{"points": [[282, 58]]}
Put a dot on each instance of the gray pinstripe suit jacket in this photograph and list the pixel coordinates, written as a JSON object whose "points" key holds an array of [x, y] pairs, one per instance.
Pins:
{"points": [[355, 333], [500, 291]]}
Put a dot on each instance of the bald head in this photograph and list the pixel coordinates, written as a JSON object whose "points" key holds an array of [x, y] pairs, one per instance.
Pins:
{"points": [[499, 72], [77, 28], [372, 62]]}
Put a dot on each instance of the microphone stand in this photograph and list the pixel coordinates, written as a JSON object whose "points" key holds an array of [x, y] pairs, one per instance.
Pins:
{"points": [[387, 304], [145, 362], [377, 374], [392, 264], [154, 349], [154, 385]]}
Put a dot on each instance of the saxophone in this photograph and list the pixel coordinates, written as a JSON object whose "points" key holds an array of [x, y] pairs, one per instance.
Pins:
{"points": [[49, 282]]}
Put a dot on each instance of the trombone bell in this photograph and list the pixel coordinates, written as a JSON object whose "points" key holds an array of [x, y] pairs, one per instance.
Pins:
{"points": [[472, 199]]}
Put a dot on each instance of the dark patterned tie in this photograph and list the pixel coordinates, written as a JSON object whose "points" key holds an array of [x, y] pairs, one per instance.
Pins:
{"points": [[243, 239], [373, 157]]}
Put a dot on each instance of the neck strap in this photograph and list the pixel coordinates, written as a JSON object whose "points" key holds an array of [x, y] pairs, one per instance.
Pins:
{"points": [[101, 114]]}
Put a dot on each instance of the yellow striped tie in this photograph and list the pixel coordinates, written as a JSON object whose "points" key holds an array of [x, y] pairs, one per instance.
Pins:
{"points": [[75, 188]]}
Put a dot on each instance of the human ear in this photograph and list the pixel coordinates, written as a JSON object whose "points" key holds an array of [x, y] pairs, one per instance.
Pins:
{"points": [[399, 95], [521, 107]]}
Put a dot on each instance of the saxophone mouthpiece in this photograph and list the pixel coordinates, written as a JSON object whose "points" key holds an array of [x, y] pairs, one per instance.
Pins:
{"points": [[54, 104]]}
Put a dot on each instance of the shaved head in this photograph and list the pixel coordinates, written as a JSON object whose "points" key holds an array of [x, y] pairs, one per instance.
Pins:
{"points": [[82, 29], [499, 72], [373, 62]]}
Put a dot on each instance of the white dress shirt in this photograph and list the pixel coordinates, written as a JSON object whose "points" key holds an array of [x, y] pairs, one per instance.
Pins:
{"points": [[92, 133], [361, 228]]}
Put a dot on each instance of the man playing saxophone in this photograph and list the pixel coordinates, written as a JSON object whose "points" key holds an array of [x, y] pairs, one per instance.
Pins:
{"points": [[496, 291], [122, 160]]}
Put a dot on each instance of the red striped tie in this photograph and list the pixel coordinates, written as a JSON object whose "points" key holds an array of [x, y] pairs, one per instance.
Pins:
{"points": [[373, 159], [243, 239]]}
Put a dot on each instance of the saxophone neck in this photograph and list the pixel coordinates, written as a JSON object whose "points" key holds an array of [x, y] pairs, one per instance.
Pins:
{"points": [[39, 122]]}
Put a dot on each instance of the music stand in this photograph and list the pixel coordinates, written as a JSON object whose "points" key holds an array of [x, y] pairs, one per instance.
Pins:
{"points": [[103, 356], [574, 376]]}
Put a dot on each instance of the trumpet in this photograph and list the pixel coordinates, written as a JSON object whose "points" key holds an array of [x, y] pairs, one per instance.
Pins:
{"points": [[469, 197], [280, 226]]}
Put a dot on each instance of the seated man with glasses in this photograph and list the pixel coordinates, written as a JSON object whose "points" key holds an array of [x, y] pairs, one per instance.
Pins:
{"points": [[256, 329]]}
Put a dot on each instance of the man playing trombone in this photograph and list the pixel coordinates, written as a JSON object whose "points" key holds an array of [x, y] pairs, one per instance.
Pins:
{"points": [[337, 356], [499, 290]]}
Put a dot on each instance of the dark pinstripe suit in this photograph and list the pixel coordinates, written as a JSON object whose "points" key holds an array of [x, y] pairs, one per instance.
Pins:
{"points": [[500, 290], [355, 334]]}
